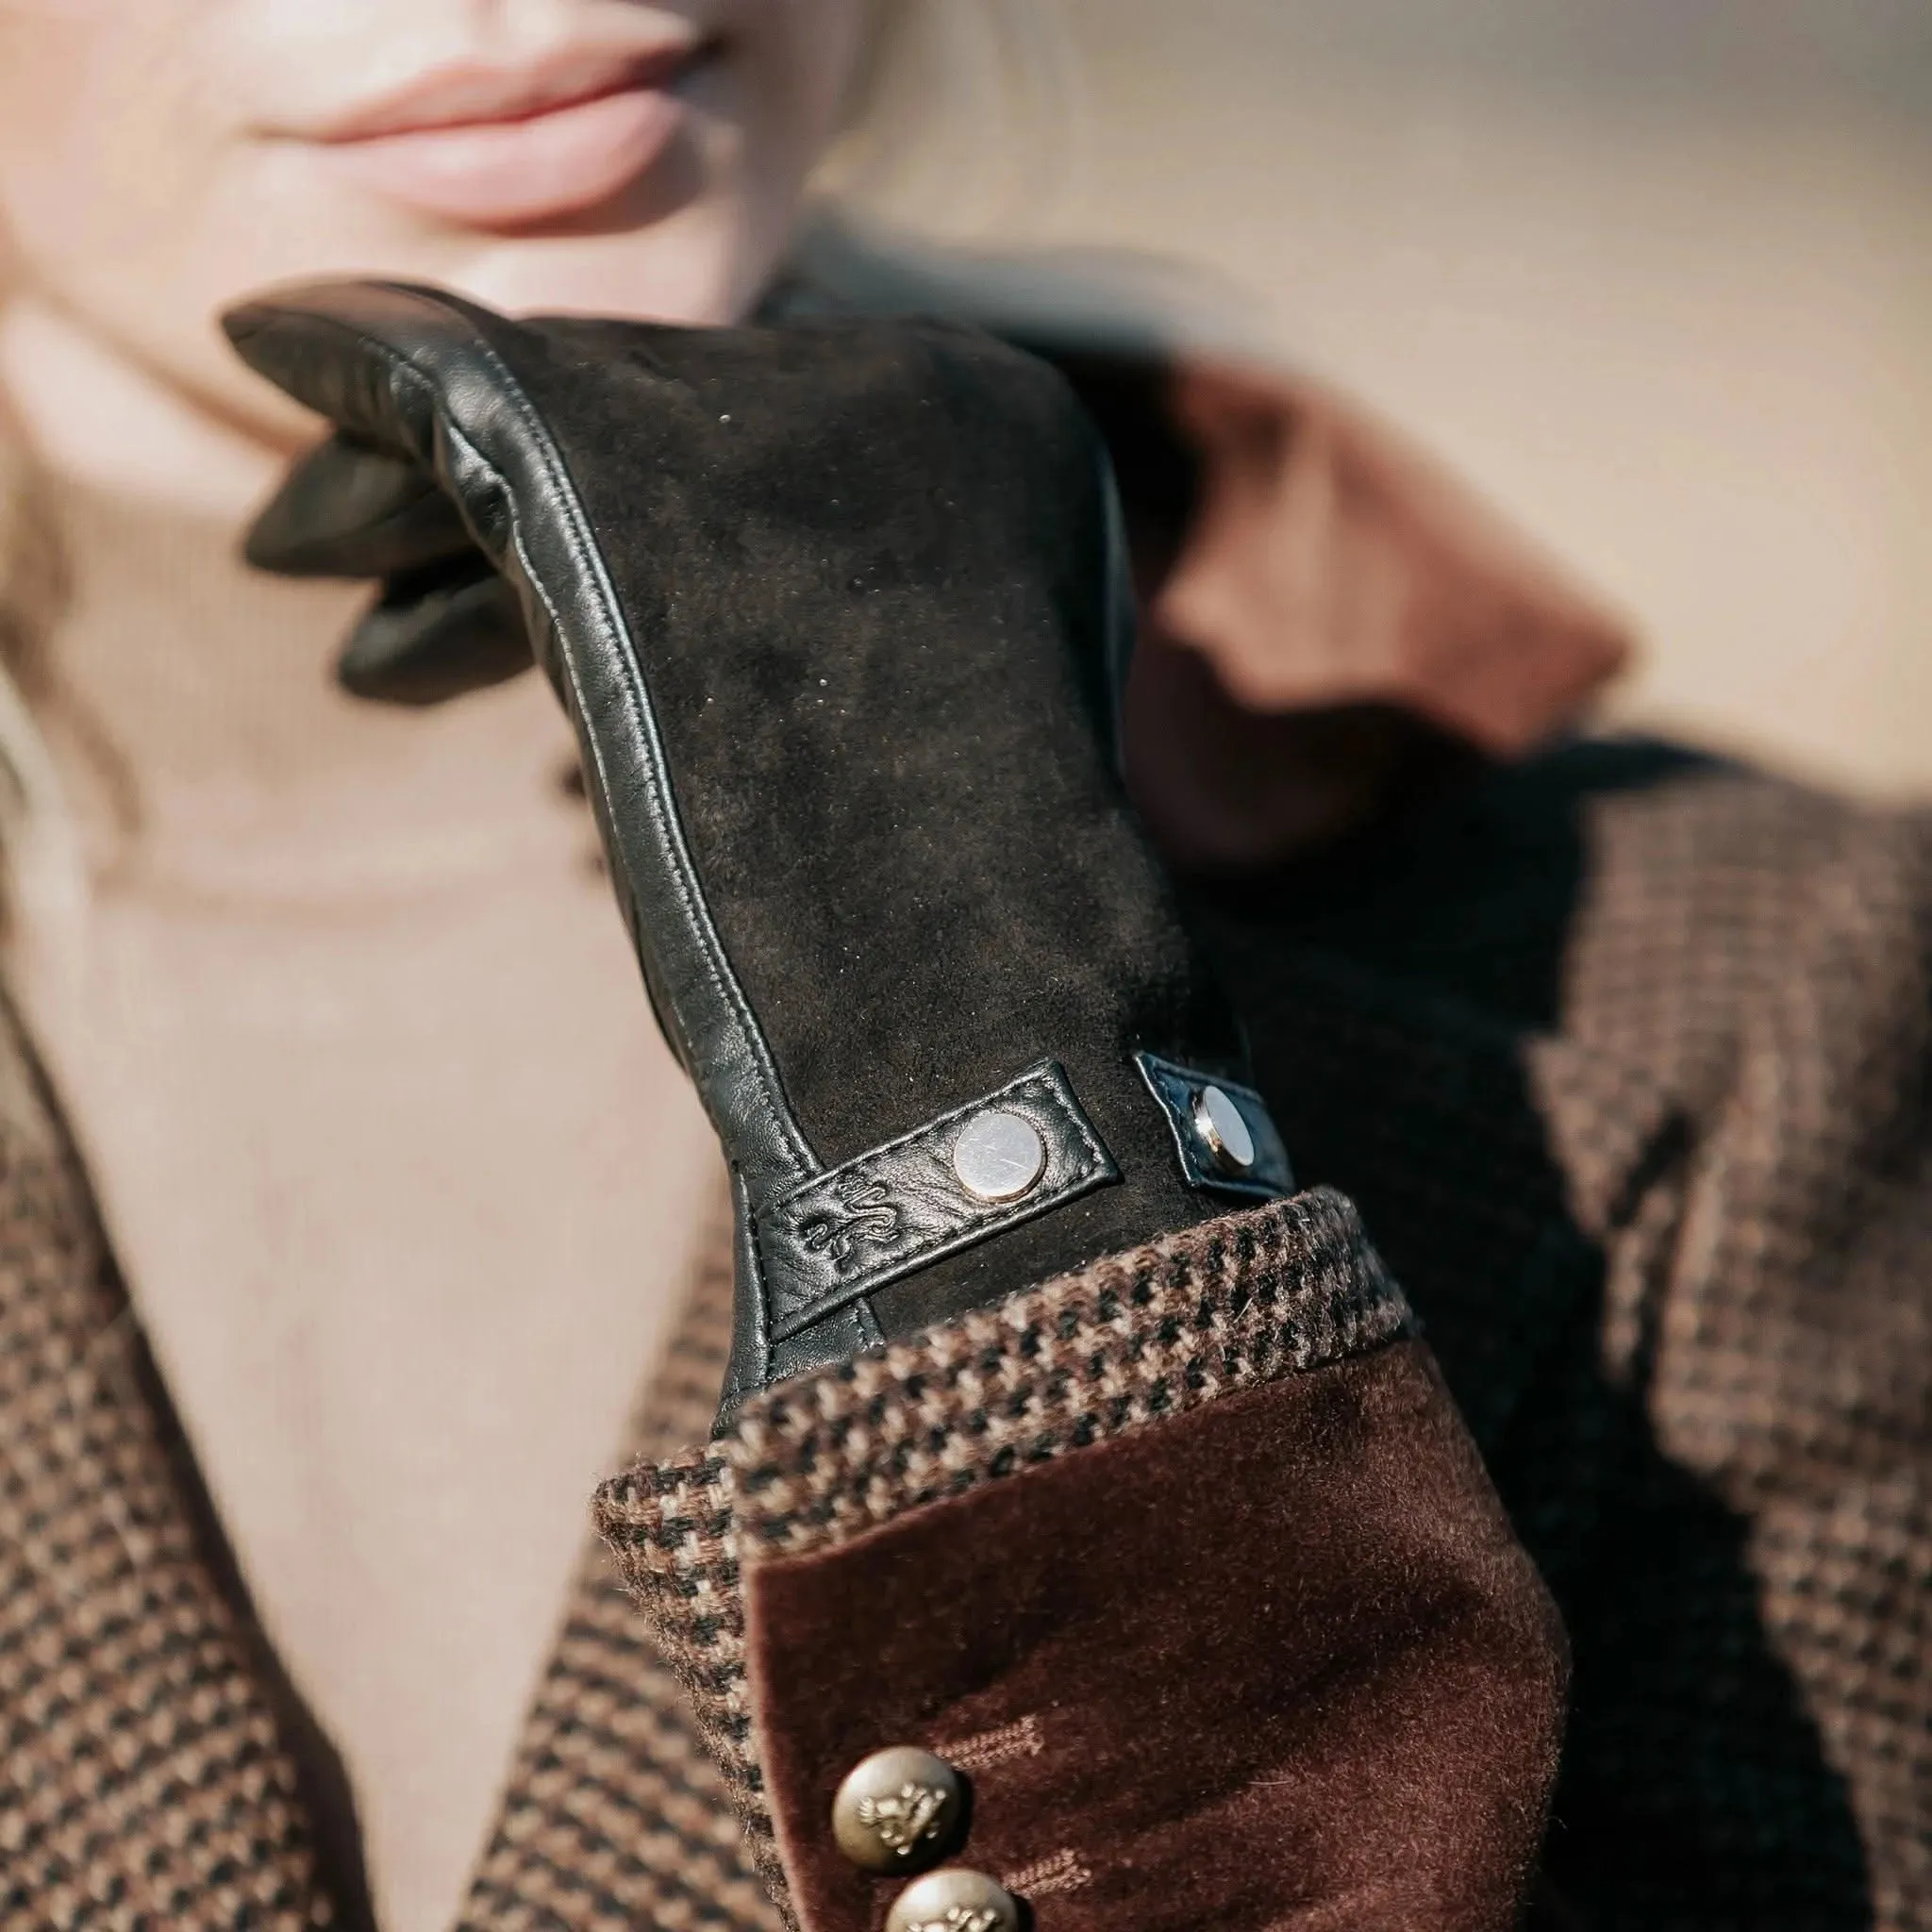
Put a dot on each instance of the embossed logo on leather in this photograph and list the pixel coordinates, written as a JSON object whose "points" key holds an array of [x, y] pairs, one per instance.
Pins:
{"points": [[864, 1212], [899, 1822], [845, 1233]]}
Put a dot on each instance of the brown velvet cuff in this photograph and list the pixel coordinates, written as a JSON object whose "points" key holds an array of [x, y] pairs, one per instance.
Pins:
{"points": [[1244, 1641]]}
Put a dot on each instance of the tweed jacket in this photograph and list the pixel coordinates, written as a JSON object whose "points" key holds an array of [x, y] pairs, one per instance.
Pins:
{"points": [[1622, 1056]]}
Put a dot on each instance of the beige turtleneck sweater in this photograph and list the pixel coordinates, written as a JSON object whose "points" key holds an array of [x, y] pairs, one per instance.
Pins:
{"points": [[402, 1178]]}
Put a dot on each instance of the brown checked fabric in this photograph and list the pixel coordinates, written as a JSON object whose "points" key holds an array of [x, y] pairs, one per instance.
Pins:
{"points": [[992, 1394], [616, 1816], [1012, 1530], [153, 1774], [1625, 1056], [1625, 1060], [144, 1776]]}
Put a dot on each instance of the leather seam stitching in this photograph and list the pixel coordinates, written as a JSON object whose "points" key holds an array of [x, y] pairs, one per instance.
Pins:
{"points": [[662, 807], [1047, 1086]]}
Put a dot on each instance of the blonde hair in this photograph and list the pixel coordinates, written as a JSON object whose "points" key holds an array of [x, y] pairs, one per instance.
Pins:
{"points": [[962, 112], [967, 151]]}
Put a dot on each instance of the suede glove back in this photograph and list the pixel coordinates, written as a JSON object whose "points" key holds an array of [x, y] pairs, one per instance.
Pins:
{"points": [[837, 612]]}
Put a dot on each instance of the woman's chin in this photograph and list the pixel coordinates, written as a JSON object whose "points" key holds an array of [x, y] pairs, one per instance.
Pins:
{"points": [[672, 240], [687, 267]]}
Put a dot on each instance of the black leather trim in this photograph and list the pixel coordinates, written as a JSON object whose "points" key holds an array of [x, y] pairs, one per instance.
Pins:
{"points": [[749, 1367], [847, 1232], [756, 1361], [1177, 1089], [496, 448]]}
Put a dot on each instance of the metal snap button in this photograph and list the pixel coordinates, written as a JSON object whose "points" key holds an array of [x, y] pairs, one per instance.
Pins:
{"points": [[999, 1155], [953, 1901], [901, 1810], [1219, 1123]]}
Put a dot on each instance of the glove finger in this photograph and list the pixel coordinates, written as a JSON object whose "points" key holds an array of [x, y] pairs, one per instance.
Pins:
{"points": [[372, 358], [394, 368], [435, 634], [342, 349], [349, 510]]}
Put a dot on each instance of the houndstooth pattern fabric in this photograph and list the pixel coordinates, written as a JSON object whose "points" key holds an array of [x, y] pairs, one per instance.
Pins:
{"points": [[143, 1783], [1625, 1062], [1771, 1295], [616, 1816], [1649, 1145], [1236, 1302]]}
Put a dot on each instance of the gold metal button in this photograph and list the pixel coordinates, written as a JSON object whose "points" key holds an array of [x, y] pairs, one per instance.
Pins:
{"points": [[900, 1811], [953, 1901]]}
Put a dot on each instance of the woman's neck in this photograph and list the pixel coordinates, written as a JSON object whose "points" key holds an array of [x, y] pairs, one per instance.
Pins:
{"points": [[196, 671], [196, 726], [99, 419]]}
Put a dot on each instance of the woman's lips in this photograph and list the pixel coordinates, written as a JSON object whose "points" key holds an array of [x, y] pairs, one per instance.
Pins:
{"points": [[517, 166]]}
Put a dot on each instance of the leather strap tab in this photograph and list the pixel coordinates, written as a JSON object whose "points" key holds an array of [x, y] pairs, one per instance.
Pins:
{"points": [[845, 1233], [1266, 1176]]}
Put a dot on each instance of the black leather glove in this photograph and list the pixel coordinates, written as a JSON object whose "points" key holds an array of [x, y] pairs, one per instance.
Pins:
{"points": [[836, 611]]}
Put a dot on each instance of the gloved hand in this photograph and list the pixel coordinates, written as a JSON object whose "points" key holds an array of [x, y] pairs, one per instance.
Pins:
{"points": [[837, 612]]}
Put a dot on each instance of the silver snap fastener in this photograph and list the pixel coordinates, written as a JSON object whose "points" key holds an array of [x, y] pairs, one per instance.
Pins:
{"points": [[999, 1155], [953, 1901], [1219, 1122], [899, 1811]]}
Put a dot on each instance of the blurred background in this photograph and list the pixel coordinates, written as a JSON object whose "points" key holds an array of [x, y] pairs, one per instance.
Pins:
{"points": [[1656, 274]]}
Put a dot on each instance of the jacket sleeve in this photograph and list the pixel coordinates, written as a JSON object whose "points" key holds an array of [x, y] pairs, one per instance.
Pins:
{"points": [[1183, 1560]]}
